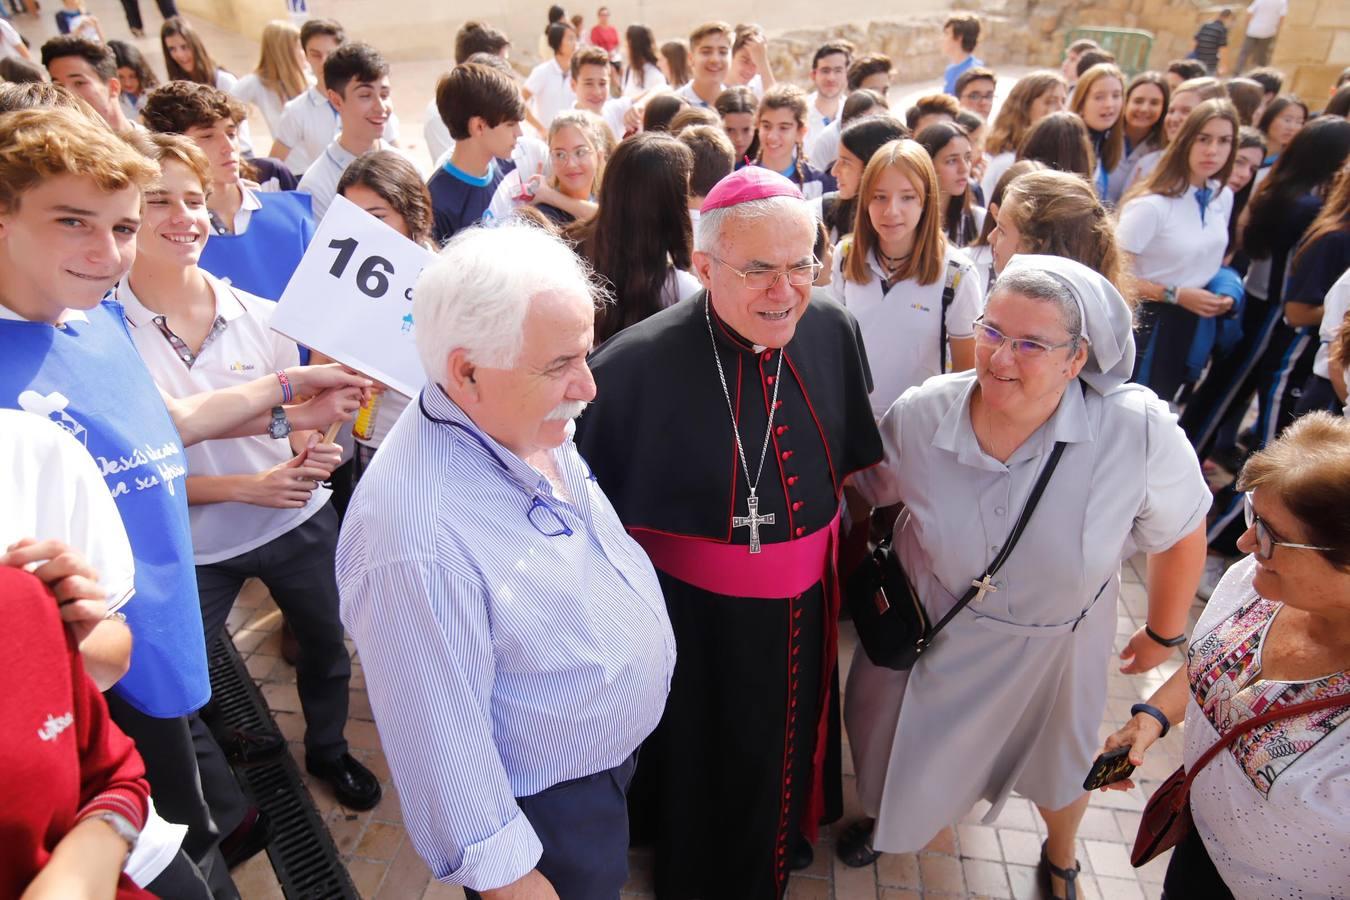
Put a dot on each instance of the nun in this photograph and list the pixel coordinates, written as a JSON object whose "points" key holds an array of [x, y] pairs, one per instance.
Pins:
{"points": [[1009, 696]]}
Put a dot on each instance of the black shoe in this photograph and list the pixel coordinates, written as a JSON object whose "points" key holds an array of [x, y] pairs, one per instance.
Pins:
{"points": [[249, 839], [801, 855], [355, 786], [854, 845], [245, 747], [1046, 869]]}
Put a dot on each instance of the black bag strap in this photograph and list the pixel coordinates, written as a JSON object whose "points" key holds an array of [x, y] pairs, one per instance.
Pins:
{"points": [[1034, 498], [948, 294]]}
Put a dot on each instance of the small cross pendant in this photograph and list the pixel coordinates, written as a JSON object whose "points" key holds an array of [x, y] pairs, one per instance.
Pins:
{"points": [[752, 521], [983, 586]]}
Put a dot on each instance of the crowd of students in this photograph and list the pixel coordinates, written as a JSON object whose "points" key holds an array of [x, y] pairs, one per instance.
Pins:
{"points": [[1220, 208]]}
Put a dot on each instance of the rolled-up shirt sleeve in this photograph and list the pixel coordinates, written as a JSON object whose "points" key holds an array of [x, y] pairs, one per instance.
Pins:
{"points": [[424, 637]]}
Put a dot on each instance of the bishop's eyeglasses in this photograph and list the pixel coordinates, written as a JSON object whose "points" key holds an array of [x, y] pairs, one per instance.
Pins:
{"points": [[767, 279]]}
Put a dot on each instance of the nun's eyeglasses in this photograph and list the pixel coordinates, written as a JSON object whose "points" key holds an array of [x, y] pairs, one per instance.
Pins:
{"points": [[1025, 348]]}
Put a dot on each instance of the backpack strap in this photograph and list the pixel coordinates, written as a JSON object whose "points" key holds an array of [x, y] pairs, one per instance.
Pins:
{"points": [[948, 294]]}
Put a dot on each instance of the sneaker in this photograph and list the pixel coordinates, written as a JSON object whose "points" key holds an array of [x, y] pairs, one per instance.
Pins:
{"points": [[1215, 566]]}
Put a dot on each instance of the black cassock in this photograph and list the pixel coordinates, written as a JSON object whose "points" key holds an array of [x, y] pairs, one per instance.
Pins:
{"points": [[739, 763]]}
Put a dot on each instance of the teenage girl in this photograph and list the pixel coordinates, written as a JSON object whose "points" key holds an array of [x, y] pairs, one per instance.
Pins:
{"points": [[1099, 100], [1033, 97], [281, 75], [1174, 230], [915, 296], [781, 126], [1145, 111], [948, 146]]}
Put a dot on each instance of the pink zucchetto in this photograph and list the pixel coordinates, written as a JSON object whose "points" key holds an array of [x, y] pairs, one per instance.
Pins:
{"points": [[749, 183]]}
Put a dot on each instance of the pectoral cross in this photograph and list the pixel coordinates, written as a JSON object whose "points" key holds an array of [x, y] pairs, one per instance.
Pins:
{"points": [[752, 521], [983, 586]]}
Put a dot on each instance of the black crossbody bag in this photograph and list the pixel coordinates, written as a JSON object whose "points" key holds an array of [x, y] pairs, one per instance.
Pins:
{"points": [[892, 624]]}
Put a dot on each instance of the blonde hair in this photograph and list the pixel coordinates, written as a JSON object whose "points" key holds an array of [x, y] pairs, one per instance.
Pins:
{"points": [[278, 68], [38, 144], [163, 147], [1113, 147], [924, 265], [1014, 117], [1058, 214], [596, 134]]}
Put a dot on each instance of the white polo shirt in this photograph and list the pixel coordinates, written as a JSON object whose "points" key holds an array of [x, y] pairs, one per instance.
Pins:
{"points": [[652, 80], [1170, 243], [240, 348], [687, 92], [816, 124], [900, 327], [309, 123], [250, 89], [824, 149], [550, 88], [321, 179], [1334, 307]]}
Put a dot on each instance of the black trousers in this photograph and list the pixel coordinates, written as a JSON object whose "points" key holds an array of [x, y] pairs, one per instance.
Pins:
{"points": [[192, 785], [181, 880], [1191, 873], [583, 825], [167, 8], [297, 568]]}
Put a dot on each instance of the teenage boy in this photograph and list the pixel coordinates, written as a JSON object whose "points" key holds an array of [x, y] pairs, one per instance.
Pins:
{"points": [[871, 71], [1069, 67], [88, 70], [829, 73], [975, 91], [257, 509], [930, 109], [709, 61], [590, 84], [309, 122], [357, 78], [257, 237], [960, 35], [1211, 38], [483, 111], [549, 88], [472, 38], [714, 159], [70, 207]]}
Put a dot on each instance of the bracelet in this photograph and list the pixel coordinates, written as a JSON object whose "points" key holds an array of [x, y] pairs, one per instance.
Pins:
{"points": [[1155, 713], [1166, 642], [286, 394]]}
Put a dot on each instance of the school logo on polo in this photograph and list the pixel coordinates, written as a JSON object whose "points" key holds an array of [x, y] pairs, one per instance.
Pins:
{"points": [[52, 728], [242, 367]]}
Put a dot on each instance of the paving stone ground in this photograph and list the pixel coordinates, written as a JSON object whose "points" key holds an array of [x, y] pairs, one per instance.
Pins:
{"points": [[973, 859]]}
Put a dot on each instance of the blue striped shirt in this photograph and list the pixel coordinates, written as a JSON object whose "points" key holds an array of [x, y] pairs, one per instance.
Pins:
{"points": [[499, 660]]}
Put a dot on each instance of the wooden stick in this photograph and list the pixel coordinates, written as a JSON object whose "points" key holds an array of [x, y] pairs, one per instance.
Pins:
{"points": [[331, 433]]}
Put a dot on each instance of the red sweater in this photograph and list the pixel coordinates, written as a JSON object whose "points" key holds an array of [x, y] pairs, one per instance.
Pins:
{"points": [[61, 756]]}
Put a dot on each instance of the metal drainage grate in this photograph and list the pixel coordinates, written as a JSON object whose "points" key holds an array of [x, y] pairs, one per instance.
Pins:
{"points": [[302, 852]]}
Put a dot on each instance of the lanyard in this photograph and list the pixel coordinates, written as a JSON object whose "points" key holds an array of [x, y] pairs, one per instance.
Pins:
{"points": [[543, 517]]}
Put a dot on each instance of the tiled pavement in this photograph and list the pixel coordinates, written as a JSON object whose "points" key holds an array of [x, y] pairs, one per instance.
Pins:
{"points": [[970, 860]]}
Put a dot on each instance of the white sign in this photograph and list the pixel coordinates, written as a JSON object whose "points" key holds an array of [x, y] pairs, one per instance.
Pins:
{"points": [[351, 297]]}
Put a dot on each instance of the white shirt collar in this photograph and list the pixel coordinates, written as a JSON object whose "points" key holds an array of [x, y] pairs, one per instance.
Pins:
{"points": [[67, 315], [228, 305]]}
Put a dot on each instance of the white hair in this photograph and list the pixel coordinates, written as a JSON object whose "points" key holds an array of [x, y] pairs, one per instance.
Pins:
{"points": [[475, 294], [712, 225]]}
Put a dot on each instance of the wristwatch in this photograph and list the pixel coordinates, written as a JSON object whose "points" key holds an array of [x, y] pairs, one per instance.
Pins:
{"points": [[280, 426], [1169, 295], [120, 824]]}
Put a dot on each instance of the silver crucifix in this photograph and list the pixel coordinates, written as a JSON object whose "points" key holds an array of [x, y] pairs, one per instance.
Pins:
{"points": [[983, 586], [752, 521]]}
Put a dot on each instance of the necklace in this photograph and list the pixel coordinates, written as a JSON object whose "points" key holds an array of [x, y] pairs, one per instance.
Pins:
{"points": [[753, 520]]}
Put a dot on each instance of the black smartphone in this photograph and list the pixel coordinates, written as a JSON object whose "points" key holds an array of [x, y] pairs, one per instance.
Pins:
{"points": [[1110, 767]]}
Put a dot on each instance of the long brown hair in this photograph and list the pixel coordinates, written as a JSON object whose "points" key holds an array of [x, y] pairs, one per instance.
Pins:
{"points": [[1155, 136], [1334, 217], [930, 245], [204, 66], [1059, 214], [1061, 141], [1173, 174], [1113, 144], [793, 99], [398, 183], [1014, 116], [957, 222]]}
